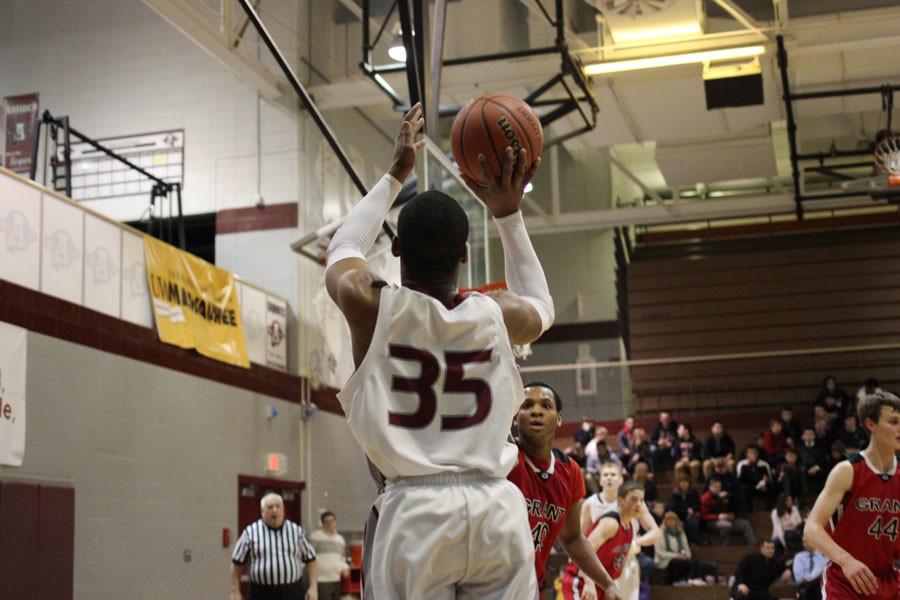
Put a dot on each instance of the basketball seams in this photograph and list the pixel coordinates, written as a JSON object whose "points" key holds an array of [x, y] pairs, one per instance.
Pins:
{"points": [[515, 118], [462, 140], [489, 135]]}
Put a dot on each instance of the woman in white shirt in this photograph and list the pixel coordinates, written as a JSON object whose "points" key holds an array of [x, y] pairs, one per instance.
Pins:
{"points": [[786, 521]]}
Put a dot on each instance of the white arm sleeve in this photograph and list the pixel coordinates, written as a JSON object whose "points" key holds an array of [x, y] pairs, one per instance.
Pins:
{"points": [[360, 230], [524, 274]]}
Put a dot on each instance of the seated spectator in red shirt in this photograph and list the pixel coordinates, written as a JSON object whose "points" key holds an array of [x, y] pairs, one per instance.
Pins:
{"points": [[775, 443], [717, 515]]}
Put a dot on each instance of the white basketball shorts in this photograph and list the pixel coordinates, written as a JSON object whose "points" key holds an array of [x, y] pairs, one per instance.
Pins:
{"points": [[447, 537]]}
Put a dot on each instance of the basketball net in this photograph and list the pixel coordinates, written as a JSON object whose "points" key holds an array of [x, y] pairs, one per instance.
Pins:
{"points": [[887, 162]]}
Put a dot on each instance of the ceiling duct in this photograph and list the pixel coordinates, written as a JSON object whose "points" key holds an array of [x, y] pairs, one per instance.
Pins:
{"points": [[642, 21]]}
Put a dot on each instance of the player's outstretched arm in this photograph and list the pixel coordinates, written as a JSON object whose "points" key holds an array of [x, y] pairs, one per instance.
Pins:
{"points": [[604, 531], [580, 551], [528, 318], [347, 275], [839, 483], [652, 532]]}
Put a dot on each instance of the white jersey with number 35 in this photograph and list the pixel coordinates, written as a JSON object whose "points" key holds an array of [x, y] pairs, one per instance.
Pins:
{"points": [[437, 390]]}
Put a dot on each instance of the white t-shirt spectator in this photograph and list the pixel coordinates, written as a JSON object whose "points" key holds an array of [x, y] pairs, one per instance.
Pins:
{"points": [[786, 522], [331, 550]]}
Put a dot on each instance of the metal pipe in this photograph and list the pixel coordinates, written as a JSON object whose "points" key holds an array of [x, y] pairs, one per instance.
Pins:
{"points": [[542, 89], [67, 155], [411, 67], [304, 97], [326, 131], [181, 239], [820, 156], [466, 60], [847, 92], [34, 150], [791, 124]]}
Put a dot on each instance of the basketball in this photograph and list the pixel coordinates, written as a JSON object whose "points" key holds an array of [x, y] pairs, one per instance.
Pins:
{"points": [[487, 125]]}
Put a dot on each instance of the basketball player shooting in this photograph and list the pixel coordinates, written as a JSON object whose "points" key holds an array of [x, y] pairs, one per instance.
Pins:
{"points": [[436, 387], [865, 492], [553, 486]]}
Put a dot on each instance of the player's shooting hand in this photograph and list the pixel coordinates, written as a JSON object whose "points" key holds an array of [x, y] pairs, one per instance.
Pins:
{"points": [[503, 196], [860, 577], [405, 144]]}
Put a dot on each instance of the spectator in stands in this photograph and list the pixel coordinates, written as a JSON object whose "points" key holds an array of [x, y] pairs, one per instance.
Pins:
{"points": [[716, 513], [811, 457], [662, 437], [869, 387], [590, 450], [786, 523], [791, 478], [809, 565], [836, 454], [624, 438], [584, 433], [576, 453], [822, 429], [640, 449], [757, 572], [602, 455], [730, 486], [643, 476], [775, 443], [850, 434], [672, 554], [832, 398], [760, 442], [685, 503], [717, 445], [755, 476], [686, 452], [790, 425]]}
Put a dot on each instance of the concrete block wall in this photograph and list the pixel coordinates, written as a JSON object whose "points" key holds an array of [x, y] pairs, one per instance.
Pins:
{"points": [[154, 457]]}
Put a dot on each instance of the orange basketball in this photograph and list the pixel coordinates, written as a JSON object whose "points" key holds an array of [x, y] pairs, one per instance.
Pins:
{"points": [[487, 125]]}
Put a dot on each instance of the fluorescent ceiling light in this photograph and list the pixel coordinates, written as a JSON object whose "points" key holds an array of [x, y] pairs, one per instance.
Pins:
{"points": [[397, 52], [655, 62], [641, 35]]}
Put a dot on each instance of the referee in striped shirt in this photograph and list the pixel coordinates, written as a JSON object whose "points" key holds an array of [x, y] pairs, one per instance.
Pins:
{"points": [[278, 551]]}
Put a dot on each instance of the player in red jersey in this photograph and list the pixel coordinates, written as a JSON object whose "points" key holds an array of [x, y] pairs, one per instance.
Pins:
{"points": [[611, 536], [553, 487], [865, 491]]}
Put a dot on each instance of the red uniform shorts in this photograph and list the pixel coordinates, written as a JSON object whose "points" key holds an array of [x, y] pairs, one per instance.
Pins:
{"points": [[835, 586]]}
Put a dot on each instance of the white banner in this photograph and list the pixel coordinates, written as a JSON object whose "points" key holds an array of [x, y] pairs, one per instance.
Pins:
{"points": [[14, 341]]}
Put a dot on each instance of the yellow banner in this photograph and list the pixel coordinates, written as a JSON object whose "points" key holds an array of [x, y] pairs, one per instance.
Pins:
{"points": [[195, 304]]}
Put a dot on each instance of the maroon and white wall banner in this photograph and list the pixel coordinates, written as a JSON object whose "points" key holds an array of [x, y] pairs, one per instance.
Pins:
{"points": [[21, 124], [14, 342]]}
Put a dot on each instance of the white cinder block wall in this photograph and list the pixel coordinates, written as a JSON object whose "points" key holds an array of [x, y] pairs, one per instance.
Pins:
{"points": [[153, 455]]}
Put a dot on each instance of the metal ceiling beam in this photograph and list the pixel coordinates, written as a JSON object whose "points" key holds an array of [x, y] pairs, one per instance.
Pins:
{"points": [[741, 16], [219, 45]]}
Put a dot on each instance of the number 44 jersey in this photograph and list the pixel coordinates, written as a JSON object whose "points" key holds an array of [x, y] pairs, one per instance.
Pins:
{"points": [[869, 517], [438, 388]]}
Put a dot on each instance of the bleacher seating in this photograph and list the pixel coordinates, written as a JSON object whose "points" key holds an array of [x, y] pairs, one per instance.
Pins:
{"points": [[784, 293]]}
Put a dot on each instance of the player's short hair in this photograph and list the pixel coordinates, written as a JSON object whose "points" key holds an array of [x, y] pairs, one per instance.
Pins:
{"points": [[609, 465], [870, 406], [325, 515], [556, 398], [629, 486], [431, 233]]}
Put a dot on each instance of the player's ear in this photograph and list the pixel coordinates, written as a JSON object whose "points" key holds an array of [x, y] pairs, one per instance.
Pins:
{"points": [[559, 419], [465, 255], [395, 247]]}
